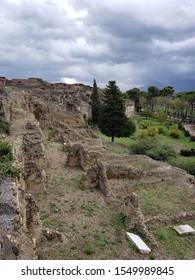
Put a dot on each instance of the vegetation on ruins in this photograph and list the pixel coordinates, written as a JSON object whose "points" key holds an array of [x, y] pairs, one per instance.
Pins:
{"points": [[95, 107], [4, 126], [6, 159], [113, 121]]}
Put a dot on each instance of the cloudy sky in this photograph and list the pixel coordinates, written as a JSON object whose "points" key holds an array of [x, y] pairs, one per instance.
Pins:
{"points": [[134, 42]]}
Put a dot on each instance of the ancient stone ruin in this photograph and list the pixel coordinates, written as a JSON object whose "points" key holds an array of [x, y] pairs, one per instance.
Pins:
{"points": [[32, 106]]}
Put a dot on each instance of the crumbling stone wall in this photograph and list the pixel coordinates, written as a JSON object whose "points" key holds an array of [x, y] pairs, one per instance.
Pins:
{"points": [[83, 154], [135, 219], [4, 105], [63, 133], [8, 251], [34, 158], [158, 221]]}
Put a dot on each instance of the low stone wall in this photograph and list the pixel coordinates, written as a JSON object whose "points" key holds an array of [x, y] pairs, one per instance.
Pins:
{"points": [[84, 153], [159, 221]]}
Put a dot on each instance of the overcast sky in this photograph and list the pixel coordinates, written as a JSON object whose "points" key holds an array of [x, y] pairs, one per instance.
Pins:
{"points": [[134, 42]]}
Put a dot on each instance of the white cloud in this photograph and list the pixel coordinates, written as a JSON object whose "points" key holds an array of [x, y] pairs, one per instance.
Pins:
{"points": [[68, 80]]}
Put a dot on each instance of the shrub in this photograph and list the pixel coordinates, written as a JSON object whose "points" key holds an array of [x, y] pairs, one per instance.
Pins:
{"points": [[146, 114], [144, 124], [160, 116], [161, 152], [152, 132], [90, 121], [132, 126], [5, 151], [188, 166], [140, 147], [186, 133], [149, 134], [175, 133], [186, 153], [6, 158], [160, 130], [192, 138]]}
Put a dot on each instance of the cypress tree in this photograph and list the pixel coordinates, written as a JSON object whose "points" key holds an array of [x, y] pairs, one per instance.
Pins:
{"points": [[113, 121], [95, 110]]}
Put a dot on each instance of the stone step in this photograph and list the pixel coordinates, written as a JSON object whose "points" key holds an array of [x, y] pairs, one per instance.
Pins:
{"points": [[139, 243], [184, 229]]}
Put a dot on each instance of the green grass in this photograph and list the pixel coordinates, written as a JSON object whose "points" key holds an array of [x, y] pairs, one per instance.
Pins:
{"points": [[125, 141], [46, 133], [121, 145], [44, 214], [186, 163], [59, 181], [89, 250], [177, 247], [119, 150], [163, 199], [182, 141], [89, 209], [53, 224]]}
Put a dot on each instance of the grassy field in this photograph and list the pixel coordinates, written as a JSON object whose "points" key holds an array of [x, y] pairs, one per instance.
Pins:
{"points": [[121, 145]]}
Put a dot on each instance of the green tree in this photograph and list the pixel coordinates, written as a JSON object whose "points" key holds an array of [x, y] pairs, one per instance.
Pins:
{"points": [[152, 92], [113, 121], [95, 110], [167, 91], [135, 95]]}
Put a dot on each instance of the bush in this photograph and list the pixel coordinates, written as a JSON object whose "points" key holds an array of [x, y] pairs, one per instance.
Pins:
{"points": [[144, 124], [153, 150], [186, 153], [160, 116], [90, 121], [161, 152], [188, 166], [5, 151], [160, 130], [140, 147], [175, 133], [146, 114], [132, 126], [6, 158], [192, 138], [186, 133], [149, 134]]}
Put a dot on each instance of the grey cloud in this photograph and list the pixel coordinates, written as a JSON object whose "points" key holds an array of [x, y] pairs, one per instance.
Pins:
{"points": [[133, 42]]}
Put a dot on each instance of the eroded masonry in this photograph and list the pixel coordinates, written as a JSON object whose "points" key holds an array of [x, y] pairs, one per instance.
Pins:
{"points": [[34, 106]]}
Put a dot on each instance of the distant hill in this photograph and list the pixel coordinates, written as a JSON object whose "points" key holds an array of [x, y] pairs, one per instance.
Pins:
{"points": [[178, 85]]}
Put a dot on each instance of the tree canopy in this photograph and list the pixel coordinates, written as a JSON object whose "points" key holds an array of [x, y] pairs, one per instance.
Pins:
{"points": [[113, 121], [95, 110]]}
